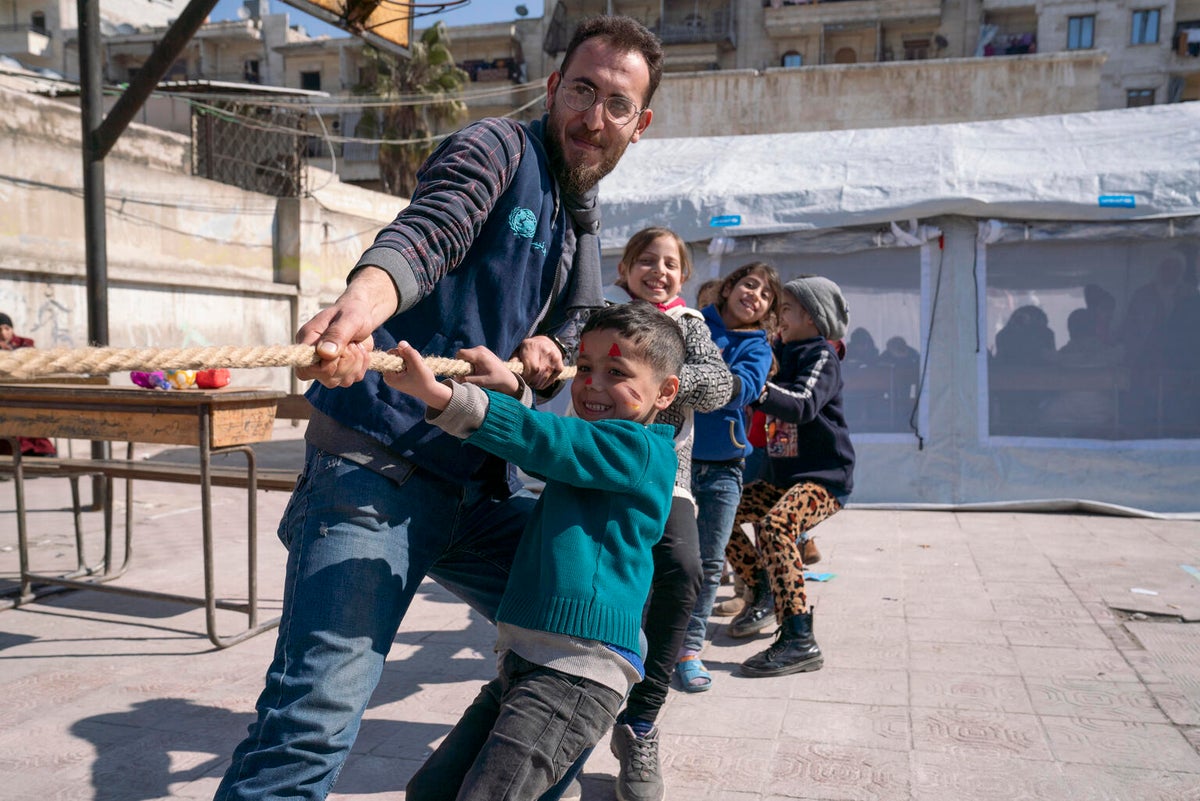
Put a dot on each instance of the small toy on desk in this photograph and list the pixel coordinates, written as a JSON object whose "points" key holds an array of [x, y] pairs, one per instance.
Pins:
{"points": [[155, 380], [212, 379], [181, 379]]}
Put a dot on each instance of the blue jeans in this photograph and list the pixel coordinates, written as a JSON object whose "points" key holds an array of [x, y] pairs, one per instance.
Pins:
{"points": [[359, 545], [717, 487], [521, 735]]}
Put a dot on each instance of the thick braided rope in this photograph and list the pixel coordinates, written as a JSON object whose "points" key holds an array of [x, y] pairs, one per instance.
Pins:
{"points": [[31, 362]]}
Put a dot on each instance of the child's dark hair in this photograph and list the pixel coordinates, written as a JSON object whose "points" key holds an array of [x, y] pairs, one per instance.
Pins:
{"points": [[769, 275], [654, 335]]}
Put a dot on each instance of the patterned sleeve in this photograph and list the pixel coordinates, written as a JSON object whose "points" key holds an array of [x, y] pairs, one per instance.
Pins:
{"points": [[705, 382], [457, 188]]}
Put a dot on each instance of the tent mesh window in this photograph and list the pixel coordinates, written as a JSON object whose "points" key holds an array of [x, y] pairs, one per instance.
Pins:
{"points": [[1098, 342]]}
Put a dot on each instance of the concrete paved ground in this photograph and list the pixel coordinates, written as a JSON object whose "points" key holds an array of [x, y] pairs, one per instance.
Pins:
{"points": [[968, 656]]}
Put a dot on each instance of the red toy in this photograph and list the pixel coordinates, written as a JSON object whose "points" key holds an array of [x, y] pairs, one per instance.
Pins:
{"points": [[212, 379]]}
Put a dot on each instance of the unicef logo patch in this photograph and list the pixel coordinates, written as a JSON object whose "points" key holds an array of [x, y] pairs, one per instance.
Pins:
{"points": [[523, 222]]}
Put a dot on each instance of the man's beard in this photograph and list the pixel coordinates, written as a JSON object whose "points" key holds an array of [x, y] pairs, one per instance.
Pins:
{"points": [[577, 180]]}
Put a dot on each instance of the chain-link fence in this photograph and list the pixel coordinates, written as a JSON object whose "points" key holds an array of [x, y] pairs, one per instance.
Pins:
{"points": [[258, 148]]}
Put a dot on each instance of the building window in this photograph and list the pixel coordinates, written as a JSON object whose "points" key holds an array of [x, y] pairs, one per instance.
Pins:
{"points": [[916, 49], [37, 22], [250, 71], [1081, 32], [1145, 27], [1139, 97], [311, 81], [793, 59]]}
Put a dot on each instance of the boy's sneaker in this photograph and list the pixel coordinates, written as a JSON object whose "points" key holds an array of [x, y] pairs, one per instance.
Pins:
{"points": [[640, 778], [809, 553]]}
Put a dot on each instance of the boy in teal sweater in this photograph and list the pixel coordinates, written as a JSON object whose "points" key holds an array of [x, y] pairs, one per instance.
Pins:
{"points": [[569, 623]]}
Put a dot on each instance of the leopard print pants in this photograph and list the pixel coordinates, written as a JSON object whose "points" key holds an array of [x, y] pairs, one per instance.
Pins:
{"points": [[779, 517]]}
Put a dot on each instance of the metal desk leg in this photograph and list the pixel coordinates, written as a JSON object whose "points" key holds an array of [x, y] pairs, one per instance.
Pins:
{"points": [[211, 604]]}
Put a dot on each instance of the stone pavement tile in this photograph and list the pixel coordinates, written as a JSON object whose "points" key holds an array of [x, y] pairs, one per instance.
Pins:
{"points": [[1041, 608], [750, 718], [934, 576], [1192, 733], [367, 777], [922, 595], [1099, 783], [954, 731], [1149, 669], [1175, 647], [879, 643], [969, 691], [1121, 743], [857, 685], [1003, 568], [714, 765], [842, 592], [954, 657], [853, 724], [879, 653], [1107, 700], [947, 605], [948, 630], [838, 773], [1106, 664], [1056, 588], [967, 777], [1055, 633], [1180, 702]]}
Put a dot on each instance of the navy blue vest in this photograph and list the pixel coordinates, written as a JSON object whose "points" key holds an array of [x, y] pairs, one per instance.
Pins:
{"points": [[493, 298]]}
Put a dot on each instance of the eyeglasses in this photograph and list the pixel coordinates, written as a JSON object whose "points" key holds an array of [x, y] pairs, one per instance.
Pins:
{"points": [[581, 97]]}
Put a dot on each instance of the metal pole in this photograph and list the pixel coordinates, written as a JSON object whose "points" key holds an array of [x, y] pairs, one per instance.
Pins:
{"points": [[91, 109], [91, 106]]}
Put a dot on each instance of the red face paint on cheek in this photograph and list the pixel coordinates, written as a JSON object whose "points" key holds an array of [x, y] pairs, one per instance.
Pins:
{"points": [[587, 381], [614, 350]]}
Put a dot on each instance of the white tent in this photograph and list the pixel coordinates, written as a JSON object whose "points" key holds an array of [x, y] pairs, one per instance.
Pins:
{"points": [[951, 237]]}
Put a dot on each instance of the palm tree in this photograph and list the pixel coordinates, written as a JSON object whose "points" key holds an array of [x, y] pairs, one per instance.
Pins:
{"points": [[425, 86]]}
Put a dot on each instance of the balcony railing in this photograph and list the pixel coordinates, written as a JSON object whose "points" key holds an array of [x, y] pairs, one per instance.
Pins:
{"points": [[790, 17], [23, 40], [697, 23], [706, 27]]}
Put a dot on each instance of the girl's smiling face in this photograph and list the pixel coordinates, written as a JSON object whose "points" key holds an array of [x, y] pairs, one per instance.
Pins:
{"points": [[655, 274], [747, 302]]}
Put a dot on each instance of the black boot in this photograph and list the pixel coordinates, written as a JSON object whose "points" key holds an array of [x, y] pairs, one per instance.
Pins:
{"points": [[794, 650], [758, 613]]}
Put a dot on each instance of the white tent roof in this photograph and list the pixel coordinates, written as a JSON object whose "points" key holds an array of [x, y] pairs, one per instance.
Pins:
{"points": [[1107, 165]]}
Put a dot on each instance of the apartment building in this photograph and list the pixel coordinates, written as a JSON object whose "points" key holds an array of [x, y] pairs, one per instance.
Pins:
{"points": [[35, 33], [733, 66]]}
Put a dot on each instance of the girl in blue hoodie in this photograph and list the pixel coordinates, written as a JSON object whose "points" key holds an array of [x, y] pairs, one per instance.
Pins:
{"points": [[745, 309]]}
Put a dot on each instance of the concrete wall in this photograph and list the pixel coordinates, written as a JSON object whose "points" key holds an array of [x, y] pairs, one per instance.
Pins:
{"points": [[190, 261], [838, 97]]}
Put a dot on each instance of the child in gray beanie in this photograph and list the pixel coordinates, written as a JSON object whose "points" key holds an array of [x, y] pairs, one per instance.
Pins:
{"points": [[812, 471], [823, 300]]}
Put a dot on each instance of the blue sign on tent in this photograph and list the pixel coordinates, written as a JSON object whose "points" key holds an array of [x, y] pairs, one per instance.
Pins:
{"points": [[1118, 201], [725, 221]]}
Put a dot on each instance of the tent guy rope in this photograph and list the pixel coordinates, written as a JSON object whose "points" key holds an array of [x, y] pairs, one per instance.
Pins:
{"points": [[32, 362]]}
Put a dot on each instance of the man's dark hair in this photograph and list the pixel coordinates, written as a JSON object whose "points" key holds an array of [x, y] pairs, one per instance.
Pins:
{"points": [[654, 335], [626, 35]]}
